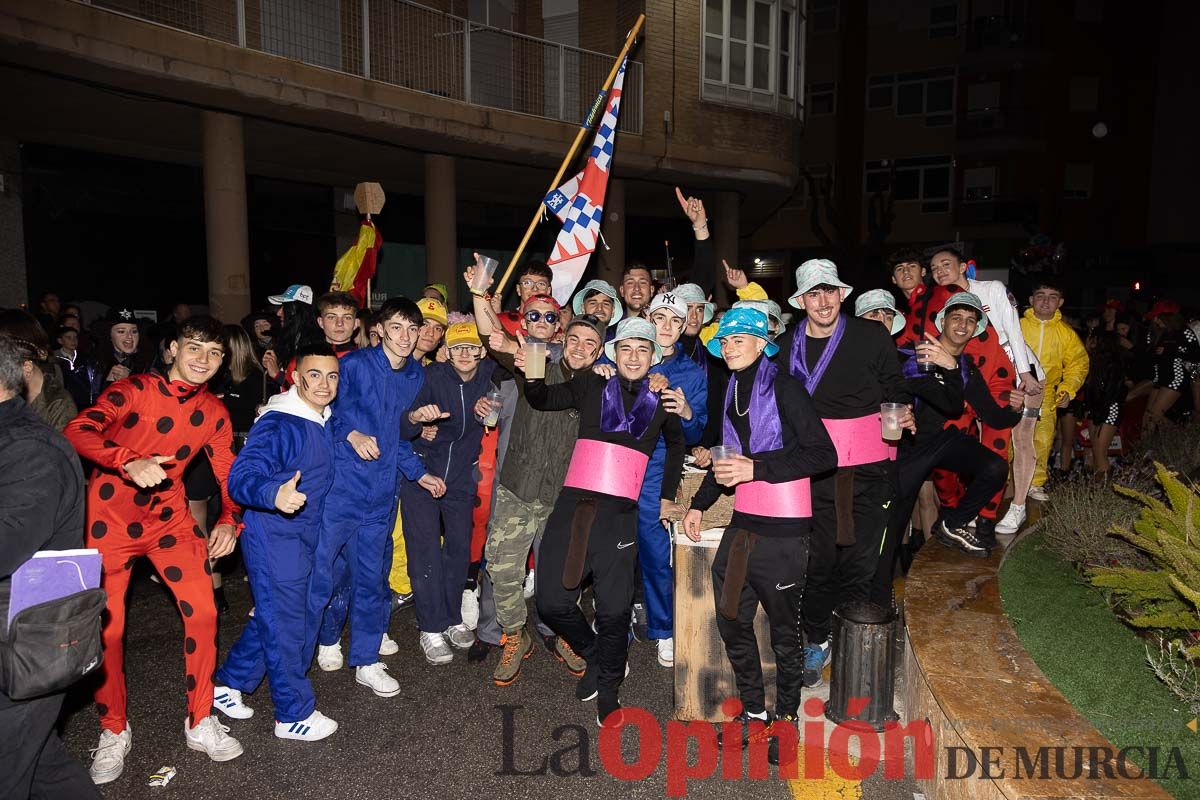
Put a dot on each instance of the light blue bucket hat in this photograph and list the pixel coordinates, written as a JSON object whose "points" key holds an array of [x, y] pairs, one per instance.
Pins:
{"points": [[692, 293], [970, 301], [745, 320], [634, 328], [817, 272], [605, 288], [877, 299]]}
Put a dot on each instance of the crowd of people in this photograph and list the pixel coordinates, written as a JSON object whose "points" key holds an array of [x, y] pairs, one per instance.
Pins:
{"points": [[364, 462]]}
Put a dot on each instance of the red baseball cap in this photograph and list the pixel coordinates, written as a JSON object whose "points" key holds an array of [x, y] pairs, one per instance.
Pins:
{"points": [[1162, 307]]}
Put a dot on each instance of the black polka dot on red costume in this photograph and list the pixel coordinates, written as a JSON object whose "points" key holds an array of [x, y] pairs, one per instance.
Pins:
{"points": [[191, 682], [478, 501], [185, 608], [95, 416], [109, 444], [166, 513], [164, 424], [998, 443], [141, 497], [99, 529], [183, 453], [983, 337], [197, 418], [131, 420], [917, 329], [89, 428], [981, 360], [220, 423], [197, 532], [173, 574], [166, 484], [106, 491], [129, 562], [167, 541], [134, 529], [189, 645], [1002, 372], [207, 567], [116, 398], [162, 387], [137, 383], [101, 709]]}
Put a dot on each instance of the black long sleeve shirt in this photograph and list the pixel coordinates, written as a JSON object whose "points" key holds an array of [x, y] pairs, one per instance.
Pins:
{"points": [[585, 392], [807, 450]]}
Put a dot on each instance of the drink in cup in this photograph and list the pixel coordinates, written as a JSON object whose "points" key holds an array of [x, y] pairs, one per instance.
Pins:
{"points": [[485, 268], [722, 452], [493, 416], [535, 360], [890, 414]]}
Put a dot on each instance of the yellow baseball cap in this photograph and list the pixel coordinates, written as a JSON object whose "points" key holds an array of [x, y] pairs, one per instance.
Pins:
{"points": [[432, 309], [463, 333]]}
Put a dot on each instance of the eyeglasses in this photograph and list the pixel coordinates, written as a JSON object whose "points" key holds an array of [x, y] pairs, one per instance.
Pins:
{"points": [[540, 286], [537, 316], [469, 349]]}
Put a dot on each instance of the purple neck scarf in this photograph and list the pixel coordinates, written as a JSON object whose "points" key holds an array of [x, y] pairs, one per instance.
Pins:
{"points": [[766, 432], [613, 418], [799, 363]]}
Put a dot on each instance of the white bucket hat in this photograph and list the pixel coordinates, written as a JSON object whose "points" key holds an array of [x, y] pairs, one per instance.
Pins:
{"points": [[817, 272], [605, 288], [692, 293], [877, 299], [963, 299], [635, 328]]}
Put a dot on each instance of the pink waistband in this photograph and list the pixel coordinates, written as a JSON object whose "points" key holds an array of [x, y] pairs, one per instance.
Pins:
{"points": [[606, 468], [859, 440], [791, 499]]}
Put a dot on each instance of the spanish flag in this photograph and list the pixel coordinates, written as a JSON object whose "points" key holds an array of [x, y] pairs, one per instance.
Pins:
{"points": [[357, 265]]}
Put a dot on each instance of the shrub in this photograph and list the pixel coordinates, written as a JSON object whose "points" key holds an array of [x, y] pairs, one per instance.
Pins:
{"points": [[1078, 526], [1177, 671]]}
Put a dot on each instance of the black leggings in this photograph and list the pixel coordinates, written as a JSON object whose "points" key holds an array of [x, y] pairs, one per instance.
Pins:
{"points": [[955, 452]]}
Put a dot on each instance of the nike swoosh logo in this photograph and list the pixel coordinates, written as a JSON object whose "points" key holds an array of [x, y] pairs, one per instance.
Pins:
{"points": [[623, 545], [781, 588]]}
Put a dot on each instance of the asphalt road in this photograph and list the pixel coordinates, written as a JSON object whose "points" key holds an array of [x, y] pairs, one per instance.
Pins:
{"points": [[450, 733]]}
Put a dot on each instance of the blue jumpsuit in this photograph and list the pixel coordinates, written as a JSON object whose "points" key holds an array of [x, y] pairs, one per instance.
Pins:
{"points": [[354, 553], [278, 551], [437, 531], [654, 545]]}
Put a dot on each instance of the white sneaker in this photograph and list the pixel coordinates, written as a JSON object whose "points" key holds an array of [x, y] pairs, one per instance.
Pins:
{"points": [[1038, 493], [529, 587], [460, 636], [666, 652], [329, 656], [311, 729], [470, 608], [387, 647], [1012, 519], [435, 648], [108, 757], [211, 737], [229, 702], [375, 677]]}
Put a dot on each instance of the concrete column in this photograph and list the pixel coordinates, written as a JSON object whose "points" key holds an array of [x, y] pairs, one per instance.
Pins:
{"points": [[441, 224], [225, 217], [14, 289], [612, 260], [723, 223]]}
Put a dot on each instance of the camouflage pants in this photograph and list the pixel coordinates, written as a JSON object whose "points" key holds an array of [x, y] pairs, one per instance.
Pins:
{"points": [[510, 535]]}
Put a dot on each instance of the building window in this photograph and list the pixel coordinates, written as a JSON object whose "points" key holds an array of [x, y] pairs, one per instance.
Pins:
{"points": [[929, 93], [749, 53], [943, 19], [822, 98], [1077, 182], [925, 180], [979, 184], [823, 16], [1085, 93]]}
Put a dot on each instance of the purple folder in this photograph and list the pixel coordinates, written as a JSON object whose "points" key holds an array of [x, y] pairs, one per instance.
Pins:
{"points": [[52, 574]]}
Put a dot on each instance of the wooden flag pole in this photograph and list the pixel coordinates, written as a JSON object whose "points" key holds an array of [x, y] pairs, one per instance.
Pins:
{"points": [[583, 130]]}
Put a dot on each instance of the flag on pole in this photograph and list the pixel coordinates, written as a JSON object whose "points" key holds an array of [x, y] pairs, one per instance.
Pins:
{"points": [[357, 265], [579, 202]]}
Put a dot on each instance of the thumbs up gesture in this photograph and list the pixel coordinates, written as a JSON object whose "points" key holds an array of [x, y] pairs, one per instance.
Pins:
{"points": [[289, 499]]}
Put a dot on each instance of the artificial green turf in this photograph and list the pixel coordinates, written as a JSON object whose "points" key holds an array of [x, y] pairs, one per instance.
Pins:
{"points": [[1097, 662]]}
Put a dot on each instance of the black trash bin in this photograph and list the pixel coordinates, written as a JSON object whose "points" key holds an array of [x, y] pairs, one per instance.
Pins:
{"points": [[864, 662]]}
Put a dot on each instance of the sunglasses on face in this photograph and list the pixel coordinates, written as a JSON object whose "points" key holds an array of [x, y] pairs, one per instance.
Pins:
{"points": [[537, 316]]}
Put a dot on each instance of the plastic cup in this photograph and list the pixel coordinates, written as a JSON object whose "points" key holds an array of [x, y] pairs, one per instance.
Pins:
{"points": [[722, 452], [481, 279], [535, 360], [493, 416], [890, 414]]}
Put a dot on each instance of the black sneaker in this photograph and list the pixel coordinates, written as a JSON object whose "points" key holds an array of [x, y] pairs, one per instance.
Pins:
{"points": [[608, 711], [773, 742], [745, 720], [962, 538], [478, 651], [985, 532], [589, 684], [401, 601]]}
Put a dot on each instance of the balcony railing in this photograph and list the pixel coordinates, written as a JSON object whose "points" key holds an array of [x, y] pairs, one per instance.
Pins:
{"points": [[407, 44]]}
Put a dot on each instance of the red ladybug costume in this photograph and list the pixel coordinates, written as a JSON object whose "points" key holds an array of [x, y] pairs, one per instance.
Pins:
{"points": [[140, 417], [997, 370]]}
